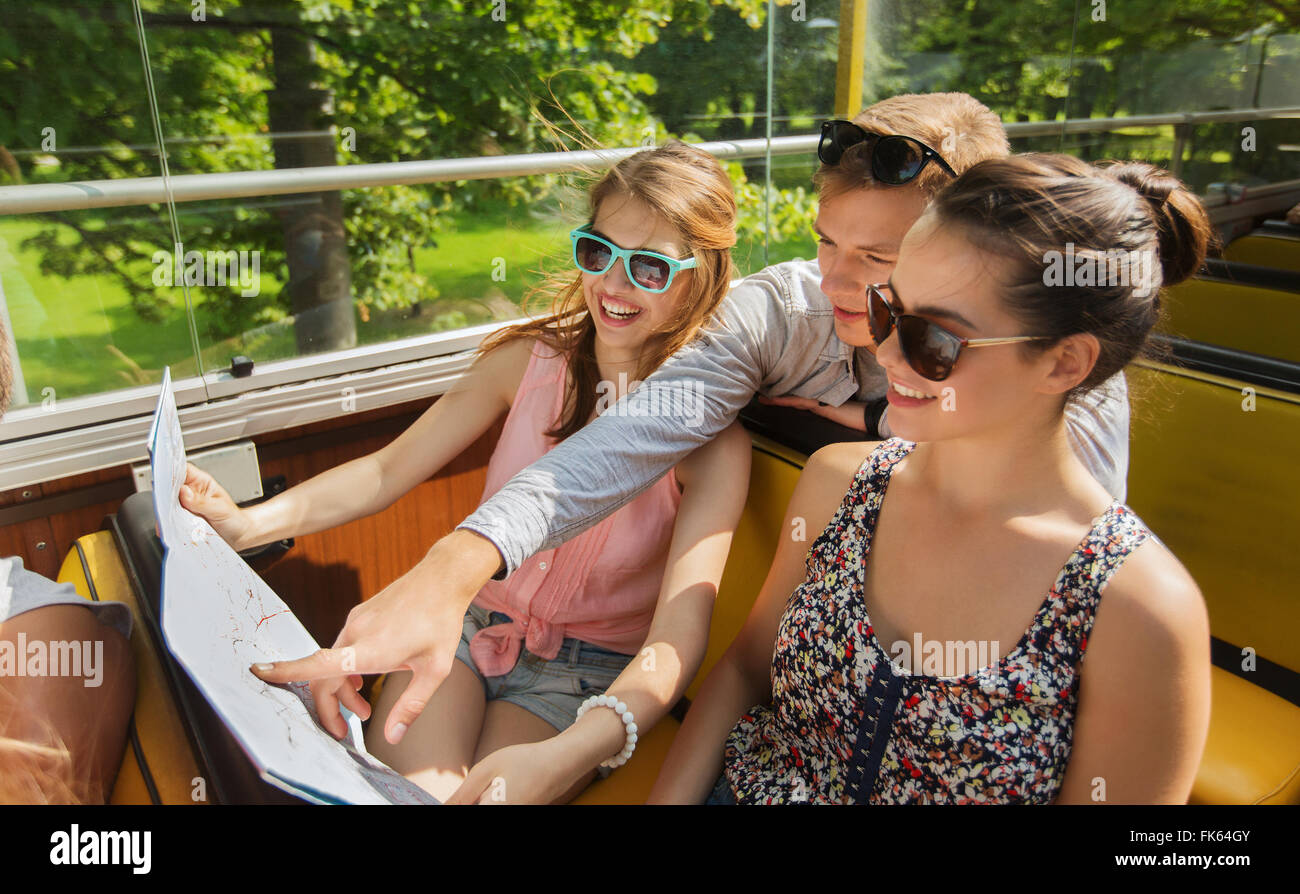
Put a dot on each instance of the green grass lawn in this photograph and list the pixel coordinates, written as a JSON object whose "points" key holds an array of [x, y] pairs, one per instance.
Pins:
{"points": [[81, 335]]}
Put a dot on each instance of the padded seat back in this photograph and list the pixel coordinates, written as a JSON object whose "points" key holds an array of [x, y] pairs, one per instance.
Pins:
{"points": [[1245, 317], [1276, 244], [1215, 482], [159, 765], [1218, 483]]}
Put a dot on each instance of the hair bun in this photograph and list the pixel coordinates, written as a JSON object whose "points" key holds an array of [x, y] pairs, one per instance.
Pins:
{"points": [[1184, 228], [1150, 182]]}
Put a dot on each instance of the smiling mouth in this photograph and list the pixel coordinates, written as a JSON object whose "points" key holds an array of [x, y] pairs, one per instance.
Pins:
{"points": [[619, 310], [908, 392]]}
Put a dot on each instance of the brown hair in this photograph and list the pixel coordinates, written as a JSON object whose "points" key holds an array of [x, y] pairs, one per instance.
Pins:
{"points": [[1035, 209], [956, 125], [693, 193]]}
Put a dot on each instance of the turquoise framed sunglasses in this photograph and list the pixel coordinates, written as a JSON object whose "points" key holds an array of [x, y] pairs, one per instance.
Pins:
{"points": [[647, 270]]}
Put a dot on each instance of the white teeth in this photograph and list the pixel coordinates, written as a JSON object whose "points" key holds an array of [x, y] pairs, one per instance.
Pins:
{"points": [[908, 392], [618, 310]]}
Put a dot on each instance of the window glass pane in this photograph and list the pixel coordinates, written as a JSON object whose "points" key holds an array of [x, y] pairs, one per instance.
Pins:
{"points": [[277, 86], [76, 287], [806, 44], [100, 299], [1034, 61], [476, 266]]}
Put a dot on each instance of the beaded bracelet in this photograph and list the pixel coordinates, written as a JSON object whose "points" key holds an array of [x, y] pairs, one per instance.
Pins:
{"points": [[619, 708]]}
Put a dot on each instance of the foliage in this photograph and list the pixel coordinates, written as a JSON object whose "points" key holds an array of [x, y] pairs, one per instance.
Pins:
{"points": [[447, 79], [407, 81]]}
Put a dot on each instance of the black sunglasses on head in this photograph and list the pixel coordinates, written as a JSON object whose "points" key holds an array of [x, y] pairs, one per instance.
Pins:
{"points": [[895, 159]]}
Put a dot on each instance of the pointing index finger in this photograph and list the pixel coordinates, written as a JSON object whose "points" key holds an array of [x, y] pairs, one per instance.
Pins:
{"points": [[320, 665]]}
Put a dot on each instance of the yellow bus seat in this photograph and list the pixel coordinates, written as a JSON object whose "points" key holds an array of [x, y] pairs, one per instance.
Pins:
{"points": [[1216, 483], [1236, 315], [164, 759], [1249, 721], [1275, 244], [1224, 514], [1214, 480]]}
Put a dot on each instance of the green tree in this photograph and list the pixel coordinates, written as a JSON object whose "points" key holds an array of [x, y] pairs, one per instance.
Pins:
{"points": [[273, 83]]}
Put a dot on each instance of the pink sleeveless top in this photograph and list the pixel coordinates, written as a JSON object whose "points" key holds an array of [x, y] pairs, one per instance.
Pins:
{"points": [[600, 587]]}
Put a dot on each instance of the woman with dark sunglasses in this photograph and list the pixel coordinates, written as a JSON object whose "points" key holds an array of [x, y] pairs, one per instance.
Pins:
{"points": [[546, 688], [945, 639]]}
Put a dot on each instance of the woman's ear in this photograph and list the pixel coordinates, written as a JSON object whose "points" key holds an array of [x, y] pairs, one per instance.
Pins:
{"points": [[1072, 361]]}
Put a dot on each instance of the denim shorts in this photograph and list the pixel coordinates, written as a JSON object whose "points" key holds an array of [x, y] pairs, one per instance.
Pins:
{"points": [[552, 689], [722, 792]]}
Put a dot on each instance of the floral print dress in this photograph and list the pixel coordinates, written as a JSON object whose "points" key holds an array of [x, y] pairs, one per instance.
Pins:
{"points": [[847, 725]]}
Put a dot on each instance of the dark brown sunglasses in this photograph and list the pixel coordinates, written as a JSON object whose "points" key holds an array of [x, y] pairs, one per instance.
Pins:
{"points": [[927, 347]]}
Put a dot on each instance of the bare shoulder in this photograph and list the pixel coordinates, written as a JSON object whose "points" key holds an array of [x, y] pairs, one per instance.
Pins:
{"points": [[826, 478], [1151, 606], [514, 354], [727, 454], [502, 368], [836, 464]]}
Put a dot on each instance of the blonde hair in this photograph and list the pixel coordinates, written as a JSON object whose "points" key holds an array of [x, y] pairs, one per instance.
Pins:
{"points": [[956, 125], [6, 370], [688, 189]]}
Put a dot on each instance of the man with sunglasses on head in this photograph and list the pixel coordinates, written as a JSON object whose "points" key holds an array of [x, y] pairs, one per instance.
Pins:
{"points": [[797, 333], [863, 206]]}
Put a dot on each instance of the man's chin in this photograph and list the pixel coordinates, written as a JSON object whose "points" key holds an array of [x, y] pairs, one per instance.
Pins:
{"points": [[856, 334]]}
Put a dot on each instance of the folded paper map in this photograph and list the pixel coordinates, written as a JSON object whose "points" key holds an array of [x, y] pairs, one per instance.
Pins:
{"points": [[219, 617]]}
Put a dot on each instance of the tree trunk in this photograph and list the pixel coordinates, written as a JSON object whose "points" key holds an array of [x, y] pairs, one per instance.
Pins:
{"points": [[315, 243]]}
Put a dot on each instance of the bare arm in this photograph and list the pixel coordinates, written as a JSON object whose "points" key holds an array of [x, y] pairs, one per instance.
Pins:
{"points": [[372, 483], [715, 481], [849, 414], [742, 678], [1144, 698]]}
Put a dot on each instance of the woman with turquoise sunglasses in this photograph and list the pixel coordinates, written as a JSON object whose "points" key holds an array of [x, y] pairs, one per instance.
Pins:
{"points": [[648, 270], [629, 293], [566, 664], [616, 618]]}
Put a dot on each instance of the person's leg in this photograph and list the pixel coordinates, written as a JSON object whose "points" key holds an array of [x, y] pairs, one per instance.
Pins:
{"points": [[507, 724], [438, 748], [90, 721]]}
